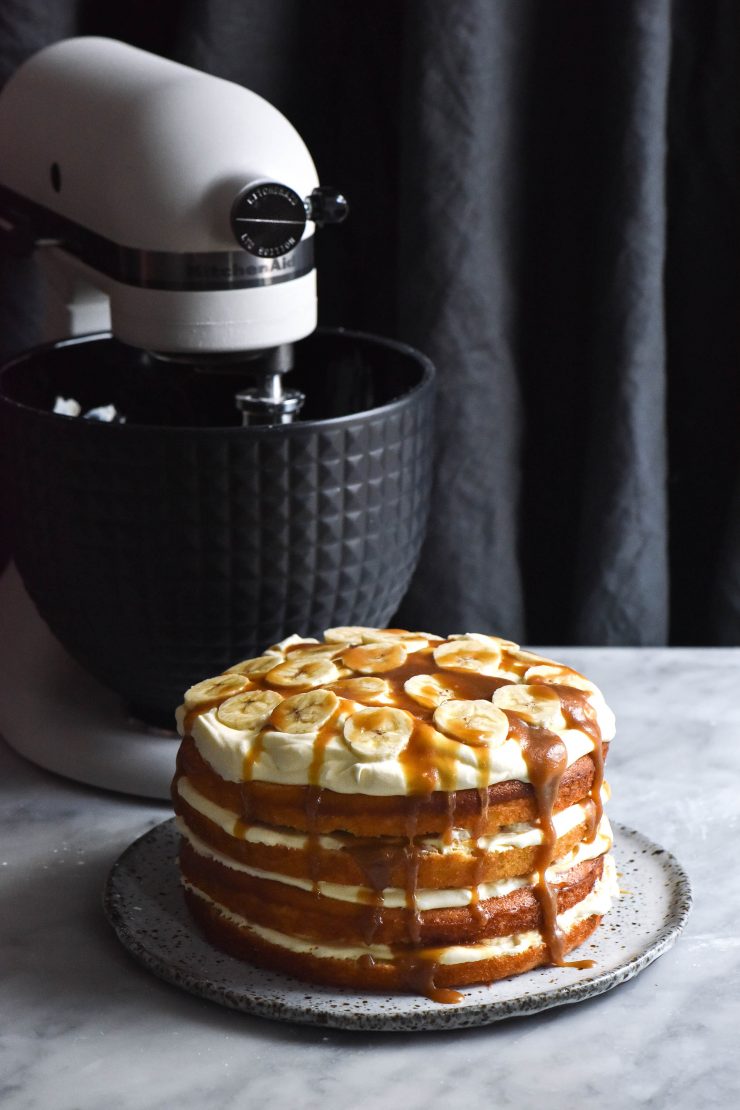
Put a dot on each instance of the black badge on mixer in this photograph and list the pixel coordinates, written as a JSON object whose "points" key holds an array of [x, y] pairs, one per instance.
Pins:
{"points": [[268, 219]]}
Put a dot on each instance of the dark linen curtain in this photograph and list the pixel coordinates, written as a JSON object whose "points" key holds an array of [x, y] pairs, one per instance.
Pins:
{"points": [[544, 200]]}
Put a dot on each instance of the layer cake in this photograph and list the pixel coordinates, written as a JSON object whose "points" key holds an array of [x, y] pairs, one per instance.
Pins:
{"points": [[388, 810]]}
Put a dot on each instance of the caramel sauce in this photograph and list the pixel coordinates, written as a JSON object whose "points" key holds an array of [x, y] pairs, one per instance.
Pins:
{"points": [[546, 758], [314, 794], [580, 714], [419, 972]]}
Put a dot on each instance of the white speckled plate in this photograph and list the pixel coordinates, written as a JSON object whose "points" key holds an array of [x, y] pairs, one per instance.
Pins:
{"points": [[145, 906]]}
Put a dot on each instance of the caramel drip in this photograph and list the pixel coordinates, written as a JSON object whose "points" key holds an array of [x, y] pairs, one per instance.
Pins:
{"points": [[413, 915], [377, 861], [478, 911], [250, 759], [192, 714], [579, 713], [314, 795], [546, 758], [418, 974]]}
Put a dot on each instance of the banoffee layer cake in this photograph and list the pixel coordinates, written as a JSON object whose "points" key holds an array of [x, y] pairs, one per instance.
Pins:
{"points": [[388, 810]]}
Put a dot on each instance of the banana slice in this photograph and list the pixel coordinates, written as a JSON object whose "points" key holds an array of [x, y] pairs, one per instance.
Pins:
{"points": [[562, 676], [305, 712], [531, 657], [365, 689], [315, 651], [259, 666], [467, 654], [314, 671], [289, 642], [375, 658], [358, 634], [350, 634], [376, 734], [491, 641], [428, 690], [535, 704], [211, 689], [473, 722], [250, 710], [412, 641]]}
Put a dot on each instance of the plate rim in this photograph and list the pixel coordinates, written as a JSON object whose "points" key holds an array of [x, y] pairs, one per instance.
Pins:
{"points": [[318, 1012]]}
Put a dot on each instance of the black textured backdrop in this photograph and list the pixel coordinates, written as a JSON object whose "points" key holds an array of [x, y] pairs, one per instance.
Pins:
{"points": [[544, 199]]}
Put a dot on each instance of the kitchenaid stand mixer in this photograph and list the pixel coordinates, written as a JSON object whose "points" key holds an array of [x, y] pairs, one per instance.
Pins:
{"points": [[267, 479]]}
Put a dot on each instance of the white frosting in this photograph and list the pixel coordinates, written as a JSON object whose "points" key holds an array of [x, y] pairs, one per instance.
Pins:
{"points": [[520, 835], [395, 897], [598, 901], [287, 758]]}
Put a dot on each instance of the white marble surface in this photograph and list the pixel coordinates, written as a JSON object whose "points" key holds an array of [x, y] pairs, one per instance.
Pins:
{"points": [[84, 1027]]}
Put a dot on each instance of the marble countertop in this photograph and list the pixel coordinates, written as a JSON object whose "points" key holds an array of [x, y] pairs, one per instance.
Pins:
{"points": [[83, 1026]]}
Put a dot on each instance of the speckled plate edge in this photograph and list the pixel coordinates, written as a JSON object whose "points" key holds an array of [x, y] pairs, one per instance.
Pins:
{"points": [[143, 902]]}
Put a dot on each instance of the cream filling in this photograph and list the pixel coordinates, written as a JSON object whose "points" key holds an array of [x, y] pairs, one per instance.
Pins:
{"points": [[396, 897], [287, 758], [598, 901], [521, 835]]}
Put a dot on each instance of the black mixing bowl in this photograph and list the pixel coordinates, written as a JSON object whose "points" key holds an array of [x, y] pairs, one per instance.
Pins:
{"points": [[161, 550]]}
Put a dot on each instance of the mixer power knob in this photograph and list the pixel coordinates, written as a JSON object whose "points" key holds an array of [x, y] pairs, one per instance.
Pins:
{"points": [[268, 219]]}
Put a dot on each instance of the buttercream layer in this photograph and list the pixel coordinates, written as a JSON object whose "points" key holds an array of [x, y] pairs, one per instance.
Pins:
{"points": [[306, 809], [378, 862]]}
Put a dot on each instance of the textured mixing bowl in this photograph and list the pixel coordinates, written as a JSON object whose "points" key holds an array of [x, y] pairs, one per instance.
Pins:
{"points": [[163, 549]]}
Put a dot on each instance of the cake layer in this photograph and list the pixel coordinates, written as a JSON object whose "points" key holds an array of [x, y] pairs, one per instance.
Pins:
{"points": [[309, 809], [384, 967], [378, 862]]}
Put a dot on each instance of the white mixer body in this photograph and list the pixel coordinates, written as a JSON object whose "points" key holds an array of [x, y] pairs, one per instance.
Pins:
{"points": [[145, 157]]}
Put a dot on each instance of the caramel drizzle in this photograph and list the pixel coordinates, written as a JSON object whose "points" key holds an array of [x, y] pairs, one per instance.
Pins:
{"points": [[314, 796], [579, 713]]}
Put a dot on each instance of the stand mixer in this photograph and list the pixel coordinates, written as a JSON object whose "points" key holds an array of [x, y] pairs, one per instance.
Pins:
{"points": [[260, 479]]}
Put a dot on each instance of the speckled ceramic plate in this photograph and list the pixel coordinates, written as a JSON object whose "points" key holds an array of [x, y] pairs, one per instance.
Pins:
{"points": [[145, 906]]}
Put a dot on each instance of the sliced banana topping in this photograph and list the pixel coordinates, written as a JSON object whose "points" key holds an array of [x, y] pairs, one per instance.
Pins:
{"points": [[375, 658], [291, 641], [467, 654], [314, 671], [491, 641], [561, 676], [248, 711], [473, 722], [364, 689], [428, 690], [412, 641], [376, 734], [534, 704], [315, 651], [305, 712], [211, 689], [523, 656], [259, 666], [350, 634]]}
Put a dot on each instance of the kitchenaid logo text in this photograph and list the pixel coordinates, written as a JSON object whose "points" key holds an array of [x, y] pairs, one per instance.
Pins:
{"points": [[265, 268]]}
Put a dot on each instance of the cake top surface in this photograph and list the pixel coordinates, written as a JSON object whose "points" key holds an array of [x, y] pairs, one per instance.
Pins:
{"points": [[391, 712]]}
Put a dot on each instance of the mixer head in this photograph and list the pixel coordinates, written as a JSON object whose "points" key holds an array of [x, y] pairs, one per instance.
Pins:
{"points": [[176, 209]]}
